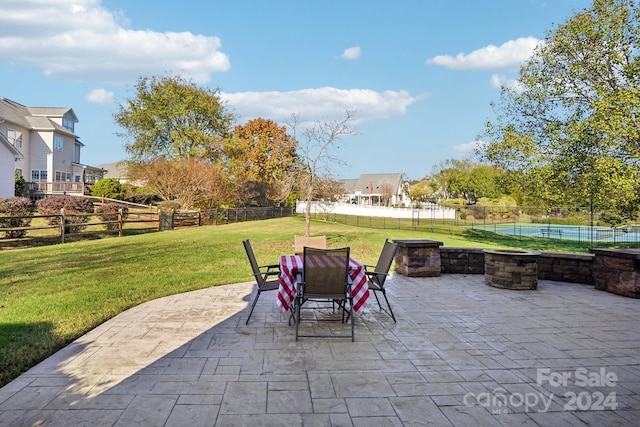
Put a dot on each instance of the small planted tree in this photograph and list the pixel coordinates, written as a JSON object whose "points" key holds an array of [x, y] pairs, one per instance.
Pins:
{"points": [[20, 185], [12, 207], [54, 205]]}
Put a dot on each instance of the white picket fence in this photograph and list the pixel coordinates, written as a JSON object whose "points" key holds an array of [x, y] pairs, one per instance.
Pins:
{"points": [[425, 212]]}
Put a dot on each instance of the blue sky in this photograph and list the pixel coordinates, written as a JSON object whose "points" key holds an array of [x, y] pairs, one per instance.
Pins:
{"points": [[420, 74]]}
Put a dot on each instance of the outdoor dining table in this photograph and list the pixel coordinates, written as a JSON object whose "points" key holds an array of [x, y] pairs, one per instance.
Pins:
{"points": [[291, 267]]}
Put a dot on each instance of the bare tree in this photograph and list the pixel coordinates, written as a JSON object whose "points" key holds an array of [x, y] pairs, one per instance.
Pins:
{"points": [[315, 154]]}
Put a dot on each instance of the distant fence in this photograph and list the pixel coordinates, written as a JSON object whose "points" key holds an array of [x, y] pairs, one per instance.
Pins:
{"points": [[427, 211], [577, 225], [65, 227]]}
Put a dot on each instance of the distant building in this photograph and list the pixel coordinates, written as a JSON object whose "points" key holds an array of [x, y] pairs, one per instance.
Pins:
{"points": [[381, 189], [48, 150]]}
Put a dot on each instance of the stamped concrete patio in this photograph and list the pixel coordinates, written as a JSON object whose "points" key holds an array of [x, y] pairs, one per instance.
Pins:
{"points": [[462, 353]]}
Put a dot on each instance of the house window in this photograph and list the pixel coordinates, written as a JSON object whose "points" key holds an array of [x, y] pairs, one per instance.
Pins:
{"points": [[19, 171], [63, 176], [67, 123], [14, 137], [38, 175], [58, 142]]}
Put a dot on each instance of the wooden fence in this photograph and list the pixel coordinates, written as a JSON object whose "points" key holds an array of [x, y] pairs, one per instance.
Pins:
{"points": [[64, 227]]}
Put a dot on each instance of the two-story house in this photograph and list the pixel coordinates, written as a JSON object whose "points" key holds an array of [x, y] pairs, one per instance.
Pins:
{"points": [[379, 189], [48, 150]]}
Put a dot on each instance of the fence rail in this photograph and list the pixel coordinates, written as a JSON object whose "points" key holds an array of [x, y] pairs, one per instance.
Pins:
{"points": [[64, 227]]}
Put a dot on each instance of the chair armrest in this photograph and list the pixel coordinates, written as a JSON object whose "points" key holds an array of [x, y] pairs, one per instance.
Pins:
{"points": [[272, 273], [376, 273], [270, 266]]}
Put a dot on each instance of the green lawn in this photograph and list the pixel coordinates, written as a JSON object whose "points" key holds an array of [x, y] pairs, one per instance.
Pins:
{"points": [[51, 295]]}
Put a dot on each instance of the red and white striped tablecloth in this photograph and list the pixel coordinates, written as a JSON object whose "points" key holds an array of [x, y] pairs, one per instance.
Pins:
{"points": [[291, 266]]}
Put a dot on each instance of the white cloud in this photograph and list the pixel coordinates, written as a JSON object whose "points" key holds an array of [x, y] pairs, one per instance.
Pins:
{"points": [[325, 103], [468, 148], [352, 53], [509, 55], [499, 80], [99, 96], [80, 39]]}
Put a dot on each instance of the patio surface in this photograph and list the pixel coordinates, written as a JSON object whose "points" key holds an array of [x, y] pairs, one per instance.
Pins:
{"points": [[462, 353]]}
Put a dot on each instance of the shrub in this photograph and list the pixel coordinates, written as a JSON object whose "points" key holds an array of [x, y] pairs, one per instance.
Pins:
{"points": [[15, 206], [108, 187], [109, 212], [52, 205], [20, 185]]}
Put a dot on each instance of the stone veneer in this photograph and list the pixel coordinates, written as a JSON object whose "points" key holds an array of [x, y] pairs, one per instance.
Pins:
{"points": [[617, 271], [511, 269], [611, 270], [418, 258]]}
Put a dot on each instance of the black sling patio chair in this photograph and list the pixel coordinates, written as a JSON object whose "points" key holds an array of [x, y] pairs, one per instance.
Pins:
{"points": [[262, 275], [325, 277], [379, 274]]}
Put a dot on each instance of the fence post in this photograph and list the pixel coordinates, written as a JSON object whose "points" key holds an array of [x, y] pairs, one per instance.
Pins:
{"points": [[62, 220], [120, 221], [199, 217]]}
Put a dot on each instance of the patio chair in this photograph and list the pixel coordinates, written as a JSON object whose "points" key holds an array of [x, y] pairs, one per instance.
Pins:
{"points": [[299, 243], [262, 275], [379, 274], [325, 277]]}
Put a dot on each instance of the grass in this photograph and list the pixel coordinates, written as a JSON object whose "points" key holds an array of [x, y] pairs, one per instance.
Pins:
{"points": [[51, 295]]}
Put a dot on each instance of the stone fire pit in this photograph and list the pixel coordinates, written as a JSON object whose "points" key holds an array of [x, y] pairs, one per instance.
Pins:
{"points": [[511, 269]]}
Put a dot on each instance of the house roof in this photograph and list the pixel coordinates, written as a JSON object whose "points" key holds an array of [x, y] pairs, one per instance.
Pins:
{"points": [[374, 182], [13, 112], [53, 112], [114, 170], [35, 118]]}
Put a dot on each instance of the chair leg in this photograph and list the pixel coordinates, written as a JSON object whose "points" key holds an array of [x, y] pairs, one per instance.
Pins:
{"points": [[352, 319], [389, 305], [375, 294], [255, 300], [297, 316]]}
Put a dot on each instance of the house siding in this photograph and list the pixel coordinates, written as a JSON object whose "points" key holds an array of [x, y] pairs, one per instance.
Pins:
{"points": [[39, 126], [40, 154], [7, 182], [63, 160]]}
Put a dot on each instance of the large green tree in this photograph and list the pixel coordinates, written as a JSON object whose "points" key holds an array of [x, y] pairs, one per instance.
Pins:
{"points": [[572, 121], [173, 118]]}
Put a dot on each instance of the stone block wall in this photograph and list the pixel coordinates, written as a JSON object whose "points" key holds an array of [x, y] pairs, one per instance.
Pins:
{"points": [[461, 260], [561, 267], [566, 267], [617, 271]]}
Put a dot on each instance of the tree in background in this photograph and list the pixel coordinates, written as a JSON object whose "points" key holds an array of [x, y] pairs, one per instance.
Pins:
{"points": [[465, 179], [571, 125], [316, 156], [175, 134], [108, 187], [192, 183], [262, 156], [173, 118]]}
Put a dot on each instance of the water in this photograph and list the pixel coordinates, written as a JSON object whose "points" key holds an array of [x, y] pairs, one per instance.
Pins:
{"points": [[579, 233]]}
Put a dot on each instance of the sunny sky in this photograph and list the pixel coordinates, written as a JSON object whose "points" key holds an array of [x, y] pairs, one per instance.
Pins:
{"points": [[420, 74]]}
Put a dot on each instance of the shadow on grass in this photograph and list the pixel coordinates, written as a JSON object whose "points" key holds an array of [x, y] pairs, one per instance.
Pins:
{"points": [[25, 345]]}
